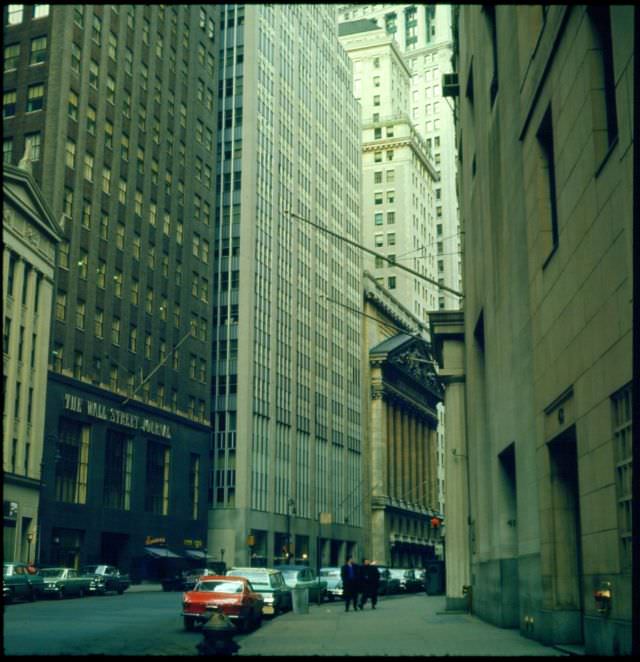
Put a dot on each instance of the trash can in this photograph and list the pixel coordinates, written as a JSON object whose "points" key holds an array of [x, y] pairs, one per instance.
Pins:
{"points": [[434, 578], [300, 599]]}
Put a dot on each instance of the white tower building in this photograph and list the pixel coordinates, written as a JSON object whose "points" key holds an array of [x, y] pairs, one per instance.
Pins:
{"points": [[423, 35], [398, 199]]}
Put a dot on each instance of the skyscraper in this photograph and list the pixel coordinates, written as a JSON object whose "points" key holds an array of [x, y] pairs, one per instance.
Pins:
{"points": [[116, 104], [398, 178], [286, 381], [423, 36]]}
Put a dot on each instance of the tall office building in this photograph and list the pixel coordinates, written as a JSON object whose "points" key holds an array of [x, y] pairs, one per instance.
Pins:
{"points": [[286, 383], [398, 209], [114, 105], [423, 36]]}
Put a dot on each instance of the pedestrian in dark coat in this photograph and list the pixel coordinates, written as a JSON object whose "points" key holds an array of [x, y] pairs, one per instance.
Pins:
{"points": [[370, 582], [350, 579]]}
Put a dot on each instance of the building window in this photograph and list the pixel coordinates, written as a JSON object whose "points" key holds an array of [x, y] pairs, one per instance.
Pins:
{"points": [[391, 217], [72, 106], [390, 155], [91, 121], [391, 196], [391, 238], [600, 16], [377, 177], [377, 157], [548, 216], [35, 98], [377, 133], [88, 167], [391, 282], [376, 100], [111, 90], [133, 339], [118, 463], [379, 239], [115, 331], [32, 145], [75, 58], [135, 292], [72, 466], [378, 218], [15, 14], [11, 57], [7, 150], [93, 74], [70, 153], [9, 103], [61, 306], [377, 197], [157, 478], [99, 323], [622, 442], [40, 11], [38, 50], [80, 315]]}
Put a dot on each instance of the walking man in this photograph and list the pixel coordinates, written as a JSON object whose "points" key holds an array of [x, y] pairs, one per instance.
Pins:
{"points": [[371, 583], [350, 577]]}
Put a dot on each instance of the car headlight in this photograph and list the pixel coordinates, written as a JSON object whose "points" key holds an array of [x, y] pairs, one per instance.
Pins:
{"points": [[268, 599]]}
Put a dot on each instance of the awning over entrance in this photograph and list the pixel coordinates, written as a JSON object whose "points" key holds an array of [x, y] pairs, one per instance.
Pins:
{"points": [[196, 554], [162, 553]]}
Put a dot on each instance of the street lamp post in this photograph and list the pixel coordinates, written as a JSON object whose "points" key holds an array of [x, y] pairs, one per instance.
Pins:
{"points": [[291, 509]]}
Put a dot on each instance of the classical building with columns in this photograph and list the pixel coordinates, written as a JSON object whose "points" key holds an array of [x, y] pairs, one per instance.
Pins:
{"points": [[402, 523], [30, 235]]}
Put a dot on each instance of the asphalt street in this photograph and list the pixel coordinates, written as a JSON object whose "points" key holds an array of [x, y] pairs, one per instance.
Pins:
{"points": [[147, 621]]}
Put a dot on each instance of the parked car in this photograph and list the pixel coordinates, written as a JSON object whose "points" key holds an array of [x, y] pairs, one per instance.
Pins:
{"points": [[406, 579], [234, 596], [388, 584], [334, 582], [20, 580], [185, 580], [302, 576], [106, 578], [271, 585], [65, 582]]}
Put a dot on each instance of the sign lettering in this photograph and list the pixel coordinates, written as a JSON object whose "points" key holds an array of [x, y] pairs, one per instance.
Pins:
{"points": [[101, 411]]}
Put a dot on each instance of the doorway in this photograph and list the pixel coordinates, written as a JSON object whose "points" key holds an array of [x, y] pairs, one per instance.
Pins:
{"points": [[565, 504]]}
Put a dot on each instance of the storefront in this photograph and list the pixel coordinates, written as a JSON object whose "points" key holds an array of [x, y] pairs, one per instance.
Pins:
{"points": [[120, 482]]}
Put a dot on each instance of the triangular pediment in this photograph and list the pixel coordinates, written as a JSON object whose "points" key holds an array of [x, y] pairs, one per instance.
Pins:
{"points": [[20, 189]]}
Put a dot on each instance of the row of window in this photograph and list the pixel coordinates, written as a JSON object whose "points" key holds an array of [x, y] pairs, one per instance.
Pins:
{"points": [[73, 471], [34, 101], [15, 14], [37, 54]]}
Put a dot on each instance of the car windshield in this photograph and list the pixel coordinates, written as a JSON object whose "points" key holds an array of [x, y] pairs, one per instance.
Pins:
{"points": [[219, 586], [51, 572], [258, 580], [290, 574], [396, 572], [330, 572]]}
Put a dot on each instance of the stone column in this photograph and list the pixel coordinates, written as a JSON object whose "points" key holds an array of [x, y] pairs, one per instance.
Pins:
{"points": [[447, 332]]}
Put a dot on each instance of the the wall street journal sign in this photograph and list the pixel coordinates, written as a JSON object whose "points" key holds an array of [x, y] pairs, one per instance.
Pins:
{"points": [[103, 412]]}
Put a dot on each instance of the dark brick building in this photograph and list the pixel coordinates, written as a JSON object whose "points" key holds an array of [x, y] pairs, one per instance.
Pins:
{"points": [[114, 106]]}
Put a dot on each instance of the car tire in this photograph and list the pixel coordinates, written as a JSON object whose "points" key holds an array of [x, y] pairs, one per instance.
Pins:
{"points": [[189, 623], [257, 621], [60, 594], [32, 594]]}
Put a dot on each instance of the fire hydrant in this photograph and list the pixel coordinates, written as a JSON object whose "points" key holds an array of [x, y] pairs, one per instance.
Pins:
{"points": [[218, 633]]}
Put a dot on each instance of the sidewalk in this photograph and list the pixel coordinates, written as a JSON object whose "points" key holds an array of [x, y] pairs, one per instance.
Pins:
{"points": [[144, 587], [400, 626]]}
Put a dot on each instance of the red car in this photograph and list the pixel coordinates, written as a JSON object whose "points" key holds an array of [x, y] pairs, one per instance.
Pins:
{"points": [[233, 596]]}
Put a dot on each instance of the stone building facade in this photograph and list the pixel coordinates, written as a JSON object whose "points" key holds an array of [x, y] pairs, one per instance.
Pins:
{"points": [[30, 235], [402, 522], [545, 142]]}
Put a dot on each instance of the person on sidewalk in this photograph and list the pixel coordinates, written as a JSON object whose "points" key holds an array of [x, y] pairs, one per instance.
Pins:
{"points": [[370, 583], [350, 579]]}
